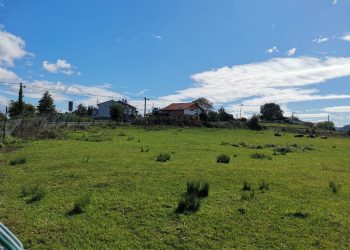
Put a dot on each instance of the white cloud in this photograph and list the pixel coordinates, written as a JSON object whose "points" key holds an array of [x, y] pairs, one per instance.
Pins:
{"points": [[291, 52], [346, 37], [321, 40], [7, 76], [337, 109], [312, 115], [157, 36], [61, 66], [335, 2], [274, 49], [11, 48]]}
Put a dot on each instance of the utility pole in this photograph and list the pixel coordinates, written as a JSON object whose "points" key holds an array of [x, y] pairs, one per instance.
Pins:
{"points": [[144, 111], [240, 111]]}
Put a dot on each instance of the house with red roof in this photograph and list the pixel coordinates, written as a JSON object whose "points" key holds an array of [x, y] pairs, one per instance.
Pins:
{"points": [[182, 111]]}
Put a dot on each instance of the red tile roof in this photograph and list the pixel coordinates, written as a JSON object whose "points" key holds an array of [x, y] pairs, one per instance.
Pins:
{"points": [[179, 106]]}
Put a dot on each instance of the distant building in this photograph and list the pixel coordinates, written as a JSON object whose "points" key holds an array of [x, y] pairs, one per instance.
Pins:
{"points": [[103, 109], [182, 111]]}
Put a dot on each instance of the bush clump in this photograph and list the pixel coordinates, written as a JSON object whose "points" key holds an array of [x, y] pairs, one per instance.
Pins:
{"points": [[223, 158], [163, 157], [80, 205], [282, 150], [260, 156], [248, 196], [263, 185], [19, 160], [246, 186]]}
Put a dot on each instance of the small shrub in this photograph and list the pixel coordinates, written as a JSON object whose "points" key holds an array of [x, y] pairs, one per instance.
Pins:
{"points": [[80, 205], [263, 185], [253, 123], [188, 203], [200, 189], [163, 157], [236, 145], [223, 158], [270, 145], [277, 134], [260, 156], [299, 135], [121, 134], [324, 137], [246, 186], [19, 160], [334, 146], [334, 186], [248, 196]]}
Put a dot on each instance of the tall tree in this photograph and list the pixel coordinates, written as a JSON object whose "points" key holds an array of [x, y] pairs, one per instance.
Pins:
{"points": [[20, 102], [271, 112], [90, 110], [204, 103], [224, 116], [46, 104], [81, 110], [116, 112]]}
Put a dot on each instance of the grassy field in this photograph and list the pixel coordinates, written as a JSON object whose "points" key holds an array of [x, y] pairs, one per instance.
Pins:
{"points": [[133, 197]]}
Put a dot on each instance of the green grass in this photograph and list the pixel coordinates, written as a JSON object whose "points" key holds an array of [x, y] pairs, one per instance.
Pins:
{"points": [[133, 198]]}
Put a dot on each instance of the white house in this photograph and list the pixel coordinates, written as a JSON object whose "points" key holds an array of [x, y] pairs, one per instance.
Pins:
{"points": [[103, 109]]}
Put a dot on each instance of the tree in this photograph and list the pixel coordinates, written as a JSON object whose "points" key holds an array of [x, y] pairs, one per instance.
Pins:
{"points": [[253, 123], [212, 116], [89, 110], [81, 110], [224, 116], [2, 116], [20, 102], [326, 125], [203, 117], [204, 103], [46, 104], [27, 109], [116, 112], [271, 112]]}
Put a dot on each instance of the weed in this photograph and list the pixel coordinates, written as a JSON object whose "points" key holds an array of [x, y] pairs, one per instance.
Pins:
{"points": [[282, 150], [19, 160], [80, 205], [121, 134], [270, 145], [163, 157], [260, 156], [223, 158], [36, 193], [277, 134], [263, 185], [246, 186], [334, 186]]}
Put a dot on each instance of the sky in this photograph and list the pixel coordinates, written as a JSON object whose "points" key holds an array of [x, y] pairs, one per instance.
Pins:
{"points": [[294, 52]]}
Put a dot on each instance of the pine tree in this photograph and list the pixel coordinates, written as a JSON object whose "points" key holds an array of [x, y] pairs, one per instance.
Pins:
{"points": [[46, 105], [20, 103]]}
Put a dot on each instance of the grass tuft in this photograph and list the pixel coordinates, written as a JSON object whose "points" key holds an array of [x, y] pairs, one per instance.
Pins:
{"points": [[35, 193], [260, 156], [248, 196], [299, 215], [246, 186], [200, 189], [223, 158], [80, 205], [188, 203], [263, 185], [19, 160], [163, 157], [334, 186]]}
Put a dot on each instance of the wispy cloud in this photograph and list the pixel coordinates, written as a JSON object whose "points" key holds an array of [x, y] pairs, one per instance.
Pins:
{"points": [[346, 37], [337, 109], [274, 49], [61, 66], [291, 52], [159, 37], [321, 39], [335, 2]]}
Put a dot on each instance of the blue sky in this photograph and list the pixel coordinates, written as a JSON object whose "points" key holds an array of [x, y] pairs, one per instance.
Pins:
{"points": [[293, 52]]}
